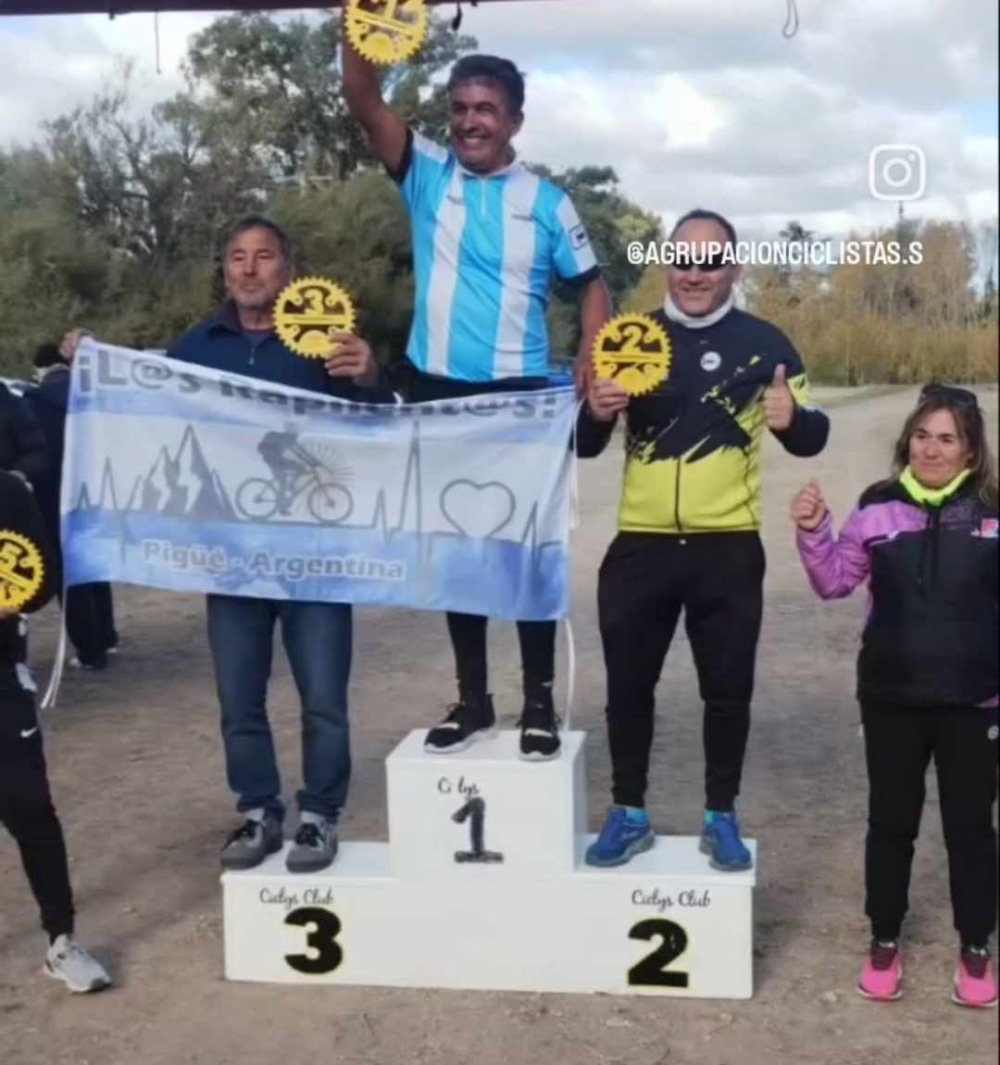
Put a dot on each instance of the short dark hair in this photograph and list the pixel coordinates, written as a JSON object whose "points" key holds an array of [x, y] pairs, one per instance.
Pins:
{"points": [[47, 355], [699, 214], [258, 221], [494, 71]]}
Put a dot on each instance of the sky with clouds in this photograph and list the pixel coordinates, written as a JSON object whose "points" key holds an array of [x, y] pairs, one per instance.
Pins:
{"points": [[693, 102]]}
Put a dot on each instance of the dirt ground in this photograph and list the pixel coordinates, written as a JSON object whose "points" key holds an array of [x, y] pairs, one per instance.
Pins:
{"points": [[136, 766]]}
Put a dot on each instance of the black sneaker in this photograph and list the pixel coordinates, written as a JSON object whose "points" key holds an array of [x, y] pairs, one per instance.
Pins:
{"points": [[465, 723], [539, 730]]}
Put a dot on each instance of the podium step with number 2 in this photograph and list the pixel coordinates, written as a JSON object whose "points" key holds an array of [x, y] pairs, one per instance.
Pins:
{"points": [[483, 886]]}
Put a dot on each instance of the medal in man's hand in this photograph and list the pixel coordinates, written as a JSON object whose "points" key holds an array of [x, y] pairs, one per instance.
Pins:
{"points": [[309, 313], [387, 31], [632, 350]]}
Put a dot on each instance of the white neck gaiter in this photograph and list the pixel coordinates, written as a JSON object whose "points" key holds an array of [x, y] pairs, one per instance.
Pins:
{"points": [[675, 314]]}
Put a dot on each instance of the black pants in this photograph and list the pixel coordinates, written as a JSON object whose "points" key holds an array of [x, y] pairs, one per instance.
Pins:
{"points": [[90, 620], [88, 609], [26, 808], [899, 743], [468, 631], [645, 581]]}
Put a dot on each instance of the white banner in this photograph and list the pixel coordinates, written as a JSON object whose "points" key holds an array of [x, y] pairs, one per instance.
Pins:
{"points": [[181, 477]]}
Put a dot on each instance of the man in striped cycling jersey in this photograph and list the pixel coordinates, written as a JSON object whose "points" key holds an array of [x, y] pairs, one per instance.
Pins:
{"points": [[489, 240]]}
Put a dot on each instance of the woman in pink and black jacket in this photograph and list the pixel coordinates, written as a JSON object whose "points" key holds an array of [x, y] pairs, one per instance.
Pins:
{"points": [[926, 543]]}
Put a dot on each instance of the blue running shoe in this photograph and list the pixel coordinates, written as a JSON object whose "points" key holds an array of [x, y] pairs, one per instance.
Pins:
{"points": [[626, 832], [720, 839]]}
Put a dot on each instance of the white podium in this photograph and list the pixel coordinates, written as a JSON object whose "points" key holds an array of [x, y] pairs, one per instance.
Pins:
{"points": [[485, 806], [483, 886]]}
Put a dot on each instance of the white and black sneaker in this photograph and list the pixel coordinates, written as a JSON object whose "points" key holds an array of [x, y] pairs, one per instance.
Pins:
{"points": [[539, 730], [466, 722], [78, 969]]}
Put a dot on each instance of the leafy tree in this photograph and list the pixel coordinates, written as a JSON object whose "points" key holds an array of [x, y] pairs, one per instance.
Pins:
{"points": [[279, 83], [358, 232], [612, 222]]}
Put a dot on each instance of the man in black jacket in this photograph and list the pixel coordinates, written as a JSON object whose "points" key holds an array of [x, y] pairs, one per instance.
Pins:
{"points": [[258, 263], [26, 808], [689, 530]]}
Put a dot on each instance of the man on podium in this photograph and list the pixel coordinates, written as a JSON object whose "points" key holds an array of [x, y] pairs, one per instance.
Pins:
{"points": [[489, 238], [258, 262], [689, 529]]}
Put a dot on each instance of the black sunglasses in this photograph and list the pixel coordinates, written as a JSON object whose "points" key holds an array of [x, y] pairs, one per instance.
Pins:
{"points": [[961, 397], [708, 264]]}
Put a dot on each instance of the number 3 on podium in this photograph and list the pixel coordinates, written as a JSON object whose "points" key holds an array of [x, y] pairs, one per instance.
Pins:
{"points": [[649, 971], [322, 940]]}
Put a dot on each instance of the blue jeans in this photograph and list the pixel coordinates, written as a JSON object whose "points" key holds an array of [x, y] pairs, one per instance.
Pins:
{"points": [[317, 638]]}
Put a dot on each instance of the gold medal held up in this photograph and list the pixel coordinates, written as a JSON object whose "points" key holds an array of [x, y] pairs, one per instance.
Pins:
{"points": [[387, 31], [309, 312], [634, 351], [21, 570]]}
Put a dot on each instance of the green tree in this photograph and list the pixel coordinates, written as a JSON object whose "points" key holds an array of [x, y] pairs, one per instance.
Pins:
{"points": [[278, 85], [612, 222], [155, 186], [357, 231]]}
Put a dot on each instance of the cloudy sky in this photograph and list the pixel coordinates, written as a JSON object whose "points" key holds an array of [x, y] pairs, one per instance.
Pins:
{"points": [[693, 102]]}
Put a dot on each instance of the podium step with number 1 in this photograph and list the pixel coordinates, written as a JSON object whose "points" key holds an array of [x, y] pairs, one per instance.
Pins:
{"points": [[483, 886]]}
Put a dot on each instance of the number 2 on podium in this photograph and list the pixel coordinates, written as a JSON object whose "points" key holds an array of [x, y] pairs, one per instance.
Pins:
{"points": [[322, 940], [649, 972]]}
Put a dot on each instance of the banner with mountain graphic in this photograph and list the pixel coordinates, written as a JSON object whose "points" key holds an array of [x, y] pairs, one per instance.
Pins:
{"points": [[183, 478]]}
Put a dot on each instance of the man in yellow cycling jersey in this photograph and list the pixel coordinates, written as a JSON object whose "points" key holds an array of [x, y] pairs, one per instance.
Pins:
{"points": [[689, 529]]}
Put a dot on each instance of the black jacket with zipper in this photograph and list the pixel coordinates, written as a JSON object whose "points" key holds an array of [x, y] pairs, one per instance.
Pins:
{"points": [[694, 444], [931, 635], [933, 638], [19, 513], [22, 444]]}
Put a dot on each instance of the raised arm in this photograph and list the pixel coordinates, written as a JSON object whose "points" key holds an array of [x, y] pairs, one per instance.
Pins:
{"points": [[835, 566], [387, 132]]}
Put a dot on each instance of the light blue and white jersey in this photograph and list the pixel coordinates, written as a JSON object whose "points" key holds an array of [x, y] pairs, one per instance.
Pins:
{"points": [[486, 254]]}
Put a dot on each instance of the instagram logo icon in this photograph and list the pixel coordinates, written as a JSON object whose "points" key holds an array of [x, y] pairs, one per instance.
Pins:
{"points": [[897, 172]]}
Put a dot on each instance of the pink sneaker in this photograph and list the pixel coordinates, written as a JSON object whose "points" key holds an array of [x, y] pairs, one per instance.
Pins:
{"points": [[882, 974], [975, 981]]}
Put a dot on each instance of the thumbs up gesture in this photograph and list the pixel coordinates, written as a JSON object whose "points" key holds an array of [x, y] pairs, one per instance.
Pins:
{"points": [[809, 507], [778, 402]]}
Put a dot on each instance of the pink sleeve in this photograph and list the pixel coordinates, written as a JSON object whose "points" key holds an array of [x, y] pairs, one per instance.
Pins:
{"points": [[835, 567]]}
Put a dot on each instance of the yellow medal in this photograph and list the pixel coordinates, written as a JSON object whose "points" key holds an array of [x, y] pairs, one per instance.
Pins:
{"points": [[634, 351], [309, 312], [387, 31], [21, 570]]}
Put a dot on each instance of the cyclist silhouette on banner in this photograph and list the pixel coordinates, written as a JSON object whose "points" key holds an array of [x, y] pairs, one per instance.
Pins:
{"points": [[296, 473]]}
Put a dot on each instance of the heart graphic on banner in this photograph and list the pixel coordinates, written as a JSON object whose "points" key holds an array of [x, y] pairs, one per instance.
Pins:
{"points": [[477, 511]]}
